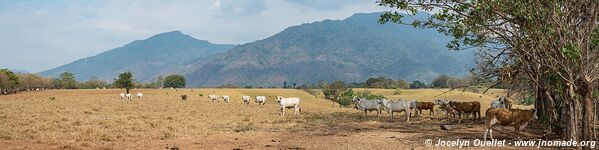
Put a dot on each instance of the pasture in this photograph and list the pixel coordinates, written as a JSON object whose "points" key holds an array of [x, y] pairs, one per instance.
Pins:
{"points": [[99, 119]]}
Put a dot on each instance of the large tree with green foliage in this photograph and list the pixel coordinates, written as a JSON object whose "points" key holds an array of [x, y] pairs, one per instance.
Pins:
{"points": [[174, 81], [125, 80], [66, 80], [551, 44], [9, 79]]}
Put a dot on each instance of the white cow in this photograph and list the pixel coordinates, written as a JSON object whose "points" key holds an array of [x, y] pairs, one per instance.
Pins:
{"points": [[122, 95], [139, 95], [129, 96], [213, 97], [397, 106], [246, 99], [226, 98], [291, 102], [261, 100]]}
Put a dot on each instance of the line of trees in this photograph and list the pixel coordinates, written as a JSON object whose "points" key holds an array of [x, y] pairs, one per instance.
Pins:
{"points": [[11, 82]]}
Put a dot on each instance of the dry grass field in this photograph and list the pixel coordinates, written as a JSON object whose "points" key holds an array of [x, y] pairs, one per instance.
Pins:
{"points": [[99, 119]]}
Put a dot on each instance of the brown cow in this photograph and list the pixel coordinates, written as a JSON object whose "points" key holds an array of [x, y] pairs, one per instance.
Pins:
{"points": [[517, 117], [466, 107], [424, 106], [183, 97]]}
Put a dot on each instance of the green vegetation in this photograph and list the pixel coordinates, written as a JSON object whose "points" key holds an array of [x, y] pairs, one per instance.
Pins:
{"points": [[174, 81], [125, 80]]}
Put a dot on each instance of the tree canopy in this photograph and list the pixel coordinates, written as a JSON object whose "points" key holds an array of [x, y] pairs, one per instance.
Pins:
{"points": [[125, 81], [174, 81], [552, 45]]}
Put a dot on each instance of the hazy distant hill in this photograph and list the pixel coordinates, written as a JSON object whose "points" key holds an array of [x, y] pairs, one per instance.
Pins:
{"points": [[144, 58], [352, 49]]}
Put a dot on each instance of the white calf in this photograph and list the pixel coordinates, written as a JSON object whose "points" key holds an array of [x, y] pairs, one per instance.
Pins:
{"points": [[213, 97], [246, 99], [261, 100], [226, 98], [139, 95], [122, 95], [129, 96]]}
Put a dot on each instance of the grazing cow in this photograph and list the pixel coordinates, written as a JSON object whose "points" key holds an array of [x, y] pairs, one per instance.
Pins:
{"points": [[139, 95], [129, 96], [517, 117], [425, 106], [226, 98], [291, 102], [246, 99], [367, 105], [466, 107], [183, 97], [444, 106], [122, 95], [213, 97], [261, 100], [397, 106]]}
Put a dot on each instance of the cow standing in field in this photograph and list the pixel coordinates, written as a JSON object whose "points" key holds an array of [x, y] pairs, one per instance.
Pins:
{"points": [[517, 117], [397, 106], [246, 99], [226, 98], [261, 100], [291, 102], [213, 97], [367, 105], [139, 95], [444, 106], [183, 97], [129, 96], [424, 106], [466, 107]]}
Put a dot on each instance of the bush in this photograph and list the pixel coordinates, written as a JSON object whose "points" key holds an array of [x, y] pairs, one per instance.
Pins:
{"points": [[527, 99], [397, 91], [345, 98]]}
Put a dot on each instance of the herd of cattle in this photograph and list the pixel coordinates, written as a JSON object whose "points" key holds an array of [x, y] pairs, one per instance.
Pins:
{"points": [[500, 111], [284, 103]]}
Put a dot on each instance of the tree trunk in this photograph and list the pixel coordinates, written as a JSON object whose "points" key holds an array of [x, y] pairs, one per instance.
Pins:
{"points": [[570, 113], [127, 90], [586, 92]]}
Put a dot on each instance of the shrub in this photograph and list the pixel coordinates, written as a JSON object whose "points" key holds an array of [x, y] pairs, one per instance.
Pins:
{"points": [[345, 98], [527, 99]]}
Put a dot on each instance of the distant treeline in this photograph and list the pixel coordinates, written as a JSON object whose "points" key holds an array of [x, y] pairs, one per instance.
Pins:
{"points": [[11, 82]]}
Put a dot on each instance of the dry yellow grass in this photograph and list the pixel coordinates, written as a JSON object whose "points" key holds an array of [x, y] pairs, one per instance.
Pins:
{"points": [[99, 119]]}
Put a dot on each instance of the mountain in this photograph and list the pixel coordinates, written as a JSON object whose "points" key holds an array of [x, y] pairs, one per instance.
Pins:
{"points": [[352, 49], [146, 59]]}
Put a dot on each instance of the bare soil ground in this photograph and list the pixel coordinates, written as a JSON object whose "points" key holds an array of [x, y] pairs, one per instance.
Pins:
{"points": [[99, 119]]}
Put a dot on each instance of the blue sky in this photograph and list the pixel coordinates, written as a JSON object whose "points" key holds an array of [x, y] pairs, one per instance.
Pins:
{"points": [[42, 34]]}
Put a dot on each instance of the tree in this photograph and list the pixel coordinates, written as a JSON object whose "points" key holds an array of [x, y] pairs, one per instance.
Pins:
{"points": [[125, 80], [11, 80], [174, 81], [441, 81], [33, 81], [417, 84], [553, 45], [402, 84], [66, 80], [285, 84], [94, 82]]}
